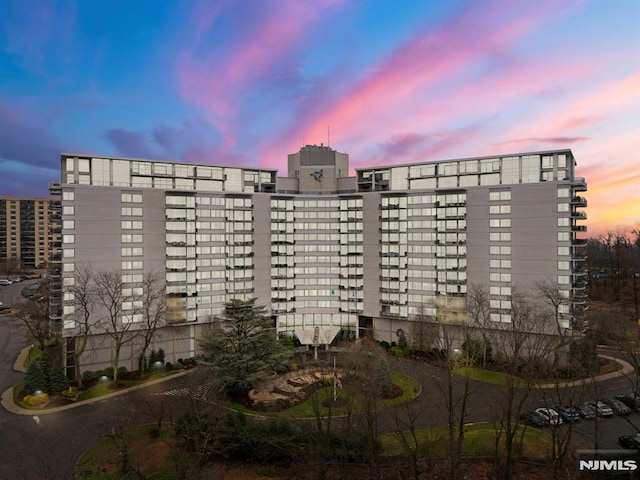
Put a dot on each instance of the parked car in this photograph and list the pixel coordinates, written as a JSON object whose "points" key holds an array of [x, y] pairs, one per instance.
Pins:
{"points": [[602, 409], [618, 407], [630, 400], [533, 419], [630, 442], [587, 411], [550, 415], [568, 413], [4, 282]]}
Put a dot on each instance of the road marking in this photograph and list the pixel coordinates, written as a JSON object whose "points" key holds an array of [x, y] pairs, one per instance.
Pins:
{"points": [[200, 392], [37, 419]]}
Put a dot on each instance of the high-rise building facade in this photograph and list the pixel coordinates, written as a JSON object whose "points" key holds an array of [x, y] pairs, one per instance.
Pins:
{"points": [[25, 232], [369, 253]]}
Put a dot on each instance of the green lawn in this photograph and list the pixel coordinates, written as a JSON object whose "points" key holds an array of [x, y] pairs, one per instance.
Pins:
{"points": [[486, 376], [409, 386], [479, 441], [103, 388], [97, 390], [500, 378]]}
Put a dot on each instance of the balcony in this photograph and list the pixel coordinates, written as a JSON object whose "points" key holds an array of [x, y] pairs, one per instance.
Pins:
{"points": [[579, 201], [579, 256], [579, 184], [579, 215], [55, 188], [577, 242], [578, 228]]}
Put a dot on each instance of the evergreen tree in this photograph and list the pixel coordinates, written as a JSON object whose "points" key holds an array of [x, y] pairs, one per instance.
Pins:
{"points": [[43, 376], [242, 345]]}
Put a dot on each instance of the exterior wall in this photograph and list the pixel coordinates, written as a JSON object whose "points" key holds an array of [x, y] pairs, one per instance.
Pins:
{"points": [[25, 232], [381, 250]]}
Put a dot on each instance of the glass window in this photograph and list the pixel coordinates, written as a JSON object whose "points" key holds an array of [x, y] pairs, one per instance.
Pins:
{"points": [[68, 194]]}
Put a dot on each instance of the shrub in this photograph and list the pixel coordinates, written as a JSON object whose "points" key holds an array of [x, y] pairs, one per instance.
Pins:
{"points": [[108, 372], [400, 352], [89, 376], [384, 344], [70, 392], [35, 400], [477, 349], [168, 367], [122, 371]]}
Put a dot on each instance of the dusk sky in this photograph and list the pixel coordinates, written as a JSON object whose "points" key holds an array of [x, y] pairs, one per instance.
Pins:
{"points": [[244, 83]]}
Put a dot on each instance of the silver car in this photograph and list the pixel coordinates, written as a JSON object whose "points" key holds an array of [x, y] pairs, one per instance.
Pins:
{"points": [[550, 415], [602, 409]]}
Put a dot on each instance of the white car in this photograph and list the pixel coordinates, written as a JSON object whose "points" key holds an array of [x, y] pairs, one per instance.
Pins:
{"points": [[602, 409], [4, 282], [550, 415]]}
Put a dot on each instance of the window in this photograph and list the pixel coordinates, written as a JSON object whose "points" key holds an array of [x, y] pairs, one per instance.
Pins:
{"points": [[132, 224], [68, 210], [131, 211], [131, 238], [131, 196], [68, 194], [495, 195]]}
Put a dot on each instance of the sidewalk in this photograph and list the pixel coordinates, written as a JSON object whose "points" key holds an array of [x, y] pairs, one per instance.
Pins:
{"points": [[626, 369], [9, 405]]}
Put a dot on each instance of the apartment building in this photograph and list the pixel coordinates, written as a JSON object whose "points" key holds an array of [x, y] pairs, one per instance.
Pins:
{"points": [[325, 252], [26, 232]]}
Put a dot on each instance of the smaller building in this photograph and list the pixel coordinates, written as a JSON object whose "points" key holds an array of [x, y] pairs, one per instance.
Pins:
{"points": [[27, 231]]}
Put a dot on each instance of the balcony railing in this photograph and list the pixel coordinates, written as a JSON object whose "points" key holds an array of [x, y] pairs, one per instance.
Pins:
{"points": [[579, 201]]}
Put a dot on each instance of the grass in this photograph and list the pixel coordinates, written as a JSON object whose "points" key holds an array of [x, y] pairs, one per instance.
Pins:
{"points": [[486, 376], [95, 391], [479, 441], [106, 387], [34, 354], [148, 451], [156, 456], [500, 378], [410, 390]]}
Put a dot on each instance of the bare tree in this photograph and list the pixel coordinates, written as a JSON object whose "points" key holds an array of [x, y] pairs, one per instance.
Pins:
{"points": [[154, 313], [35, 316], [423, 330], [82, 293], [406, 417], [117, 323], [558, 301], [479, 315], [524, 346]]}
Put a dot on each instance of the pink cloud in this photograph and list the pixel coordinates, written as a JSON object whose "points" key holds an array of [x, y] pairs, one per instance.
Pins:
{"points": [[393, 94], [218, 82]]}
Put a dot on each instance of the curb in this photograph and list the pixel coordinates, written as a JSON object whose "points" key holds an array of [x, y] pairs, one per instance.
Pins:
{"points": [[9, 405]]}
